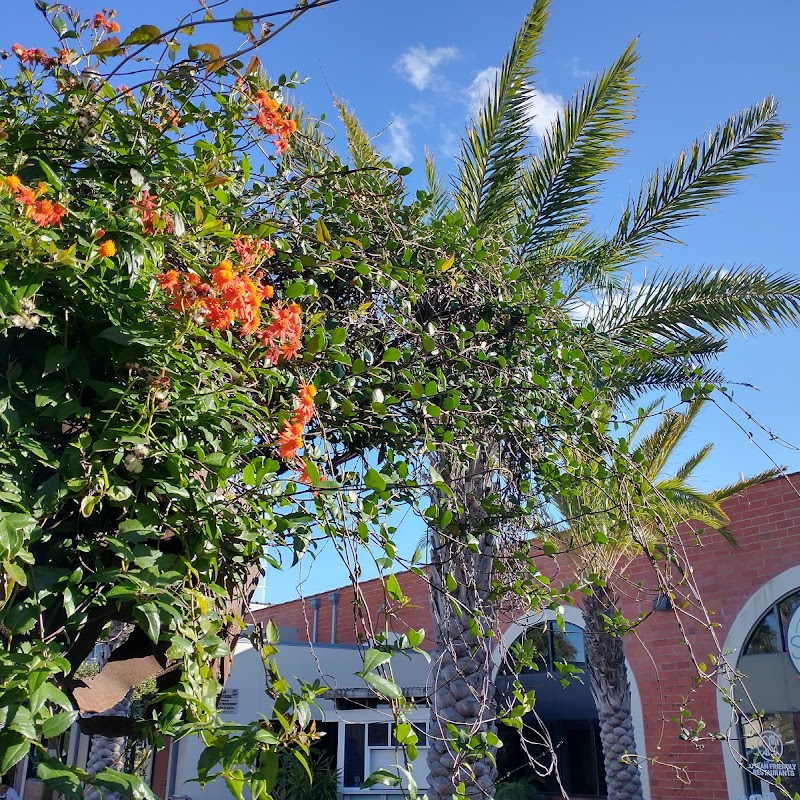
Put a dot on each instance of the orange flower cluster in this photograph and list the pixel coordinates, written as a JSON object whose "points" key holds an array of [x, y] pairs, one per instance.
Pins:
{"points": [[42, 211], [231, 297], [252, 251], [35, 55], [291, 437], [282, 337], [273, 119], [148, 206], [100, 21]]}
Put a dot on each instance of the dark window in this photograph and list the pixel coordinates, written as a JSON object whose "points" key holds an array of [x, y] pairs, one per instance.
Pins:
{"points": [[539, 649], [769, 635], [378, 734], [766, 638], [353, 755]]}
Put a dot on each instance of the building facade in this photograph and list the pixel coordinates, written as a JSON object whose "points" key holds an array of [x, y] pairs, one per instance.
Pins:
{"points": [[751, 593]]}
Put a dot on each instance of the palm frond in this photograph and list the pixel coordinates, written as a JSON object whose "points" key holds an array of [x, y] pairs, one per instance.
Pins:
{"points": [[746, 483], [562, 180], [705, 172], [744, 299], [685, 470], [493, 150], [439, 196], [362, 152]]}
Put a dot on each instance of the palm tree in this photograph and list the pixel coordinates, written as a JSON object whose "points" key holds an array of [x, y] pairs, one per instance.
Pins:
{"points": [[544, 196], [108, 752], [597, 545]]}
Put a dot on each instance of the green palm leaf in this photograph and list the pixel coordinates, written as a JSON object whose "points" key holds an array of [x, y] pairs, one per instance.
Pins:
{"points": [[437, 191], [362, 152], [493, 150], [707, 302], [562, 180], [705, 172]]}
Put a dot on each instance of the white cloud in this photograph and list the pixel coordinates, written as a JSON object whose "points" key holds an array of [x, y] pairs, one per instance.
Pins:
{"points": [[479, 89], [398, 150], [542, 109], [418, 64]]}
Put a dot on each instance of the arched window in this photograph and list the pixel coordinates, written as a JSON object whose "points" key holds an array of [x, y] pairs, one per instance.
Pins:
{"points": [[770, 697], [771, 634], [565, 715]]}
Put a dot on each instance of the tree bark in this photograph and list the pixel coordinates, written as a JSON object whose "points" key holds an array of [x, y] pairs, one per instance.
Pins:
{"points": [[608, 674], [461, 687], [107, 752]]}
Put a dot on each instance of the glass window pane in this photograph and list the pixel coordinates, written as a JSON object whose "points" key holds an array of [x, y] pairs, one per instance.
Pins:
{"points": [[766, 638], [771, 750], [353, 755], [786, 609], [568, 644], [378, 735]]}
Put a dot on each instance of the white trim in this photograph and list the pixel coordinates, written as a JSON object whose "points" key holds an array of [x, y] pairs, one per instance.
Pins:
{"points": [[574, 615], [758, 603]]}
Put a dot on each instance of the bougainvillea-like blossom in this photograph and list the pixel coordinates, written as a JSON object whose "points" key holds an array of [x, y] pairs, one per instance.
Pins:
{"points": [[282, 337], [232, 297], [291, 436], [149, 207], [274, 119], [33, 55], [100, 21], [252, 251], [45, 213]]}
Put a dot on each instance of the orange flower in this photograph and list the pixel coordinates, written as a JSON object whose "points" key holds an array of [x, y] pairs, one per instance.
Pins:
{"points": [[107, 248], [100, 21], [169, 281], [290, 440], [222, 275], [13, 183], [305, 403], [45, 213]]}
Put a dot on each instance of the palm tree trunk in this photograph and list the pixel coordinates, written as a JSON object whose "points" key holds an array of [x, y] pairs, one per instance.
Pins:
{"points": [[461, 688], [608, 674], [107, 752]]}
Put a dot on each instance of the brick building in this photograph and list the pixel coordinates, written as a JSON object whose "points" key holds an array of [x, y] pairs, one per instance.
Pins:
{"points": [[752, 593]]}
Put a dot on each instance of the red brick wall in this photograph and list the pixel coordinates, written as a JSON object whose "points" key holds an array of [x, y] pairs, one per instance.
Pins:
{"points": [[766, 524], [356, 620]]}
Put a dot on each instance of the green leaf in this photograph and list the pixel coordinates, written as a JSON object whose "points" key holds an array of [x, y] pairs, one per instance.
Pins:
{"points": [[383, 686], [144, 34], [108, 47], [57, 358], [381, 776], [392, 354], [243, 21], [67, 781], [373, 659], [374, 480], [393, 589], [323, 234], [57, 724], [149, 619]]}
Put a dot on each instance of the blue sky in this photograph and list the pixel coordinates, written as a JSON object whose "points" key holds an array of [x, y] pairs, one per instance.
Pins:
{"points": [[411, 70]]}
